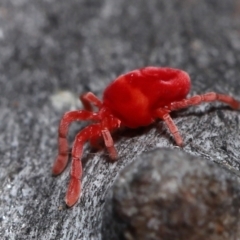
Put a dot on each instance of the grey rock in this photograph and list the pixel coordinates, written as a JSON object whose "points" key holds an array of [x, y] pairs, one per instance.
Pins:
{"points": [[168, 194]]}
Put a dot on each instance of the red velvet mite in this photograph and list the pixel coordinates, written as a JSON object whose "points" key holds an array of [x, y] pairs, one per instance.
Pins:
{"points": [[132, 100]]}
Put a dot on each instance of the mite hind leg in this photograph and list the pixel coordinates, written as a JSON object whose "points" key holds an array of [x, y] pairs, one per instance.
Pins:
{"points": [[207, 97], [164, 115]]}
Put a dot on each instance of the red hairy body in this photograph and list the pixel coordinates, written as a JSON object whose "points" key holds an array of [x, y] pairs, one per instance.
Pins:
{"points": [[135, 96], [132, 100]]}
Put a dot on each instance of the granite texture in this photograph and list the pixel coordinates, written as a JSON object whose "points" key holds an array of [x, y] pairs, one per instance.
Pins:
{"points": [[52, 51]]}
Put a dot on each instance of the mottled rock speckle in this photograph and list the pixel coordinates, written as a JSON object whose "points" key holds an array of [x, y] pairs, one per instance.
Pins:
{"points": [[168, 194]]}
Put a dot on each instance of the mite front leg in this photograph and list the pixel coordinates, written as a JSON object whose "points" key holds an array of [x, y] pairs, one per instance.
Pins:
{"points": [[109, 144], [62, 158], [89, 98], [208, 97], [74, 187]]}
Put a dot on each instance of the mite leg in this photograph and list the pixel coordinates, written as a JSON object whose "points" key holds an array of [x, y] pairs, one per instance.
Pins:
{"points": [[173, 129], [208, 97], [164, 114], [109, 143], [74, 187], [89, 98], [62, 158]]}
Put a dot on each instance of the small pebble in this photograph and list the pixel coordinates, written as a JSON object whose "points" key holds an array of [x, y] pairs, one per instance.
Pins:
{"points": [[168, 194]]}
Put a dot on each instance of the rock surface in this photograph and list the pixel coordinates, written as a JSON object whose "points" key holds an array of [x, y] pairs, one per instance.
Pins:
{"points": [[168, 194], [51, 47]]}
